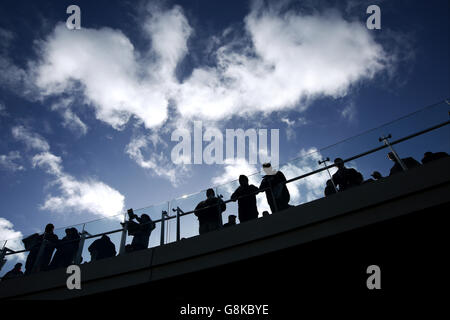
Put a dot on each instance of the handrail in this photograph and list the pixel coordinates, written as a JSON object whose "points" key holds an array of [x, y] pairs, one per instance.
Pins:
{"points": [[265, 189], [371, 151]]}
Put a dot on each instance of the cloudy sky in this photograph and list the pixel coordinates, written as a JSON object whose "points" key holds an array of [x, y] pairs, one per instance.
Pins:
{"points": [[86, 116]]}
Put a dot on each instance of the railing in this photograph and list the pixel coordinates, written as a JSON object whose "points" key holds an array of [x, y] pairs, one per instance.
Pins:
{"points": [[416, 133]]}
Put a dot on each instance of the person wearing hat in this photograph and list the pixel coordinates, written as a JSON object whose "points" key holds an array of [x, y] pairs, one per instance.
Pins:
{"points": [[231, 221], [14, 273], [273, 183], [345, 178], [245, 195], [409, 162]]}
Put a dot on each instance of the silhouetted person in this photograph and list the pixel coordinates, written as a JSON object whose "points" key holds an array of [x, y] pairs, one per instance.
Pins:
{"points": [[274, 180], [409, 162], [32, 244], [209, 212], [431, 156], [245, 195], [66, 249], [14, 273], [47, 252], [329, 189], [345, 178], [140, 231], [265, 213], [376, 175], [231, 221], [102, 248]]}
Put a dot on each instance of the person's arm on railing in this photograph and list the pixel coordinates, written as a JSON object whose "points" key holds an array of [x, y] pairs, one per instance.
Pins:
{"points": [[236, 194]]}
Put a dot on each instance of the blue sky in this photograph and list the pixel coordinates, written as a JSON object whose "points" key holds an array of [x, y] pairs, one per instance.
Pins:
{"points": [[86, 115]]}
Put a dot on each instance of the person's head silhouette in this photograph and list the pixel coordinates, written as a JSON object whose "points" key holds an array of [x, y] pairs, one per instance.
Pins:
{"points": [[145, 217], [376, 175], [391, 156], [243, 180], [339, 163], [49, 228], [18, 266], [267, 167], [329, 183], [210, 193]]}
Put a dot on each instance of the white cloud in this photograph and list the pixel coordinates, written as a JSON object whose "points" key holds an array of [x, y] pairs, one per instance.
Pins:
{"points": [[291, 59], [309, 188], [11, 76], [7, 161], [349, 112], [2, 109], [115, 79], [291, 124], [168, 31], [71, 120], [32, 140], [77, 196], [233, 168], [283, 61], [14, 238], [158, 163]]}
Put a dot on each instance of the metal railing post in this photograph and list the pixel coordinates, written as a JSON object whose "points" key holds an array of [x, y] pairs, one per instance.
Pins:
{"points": [[324, 162], [2, 255], [386, 142], [177, 210], [163, 220], [78, 256], [178, 224], [36, 267], [123, 237]]}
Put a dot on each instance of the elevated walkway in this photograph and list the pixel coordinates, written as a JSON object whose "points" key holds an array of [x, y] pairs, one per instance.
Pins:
{"points": [[423, 192]]}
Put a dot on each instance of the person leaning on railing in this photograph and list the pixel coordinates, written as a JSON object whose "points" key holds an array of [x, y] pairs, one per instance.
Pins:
{"points": [[66, 249], [209, 212], [39, 257], [345, 178], [273, 183], [245, 195], [408, 162]]}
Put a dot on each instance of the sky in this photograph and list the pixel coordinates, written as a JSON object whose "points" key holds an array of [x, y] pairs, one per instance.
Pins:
{"points": [[87, 116]]}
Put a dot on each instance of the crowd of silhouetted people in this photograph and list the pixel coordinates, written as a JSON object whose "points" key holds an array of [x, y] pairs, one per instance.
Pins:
{"points": [[346, 178], [209, 211], [273, 184], [47, 252]]}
